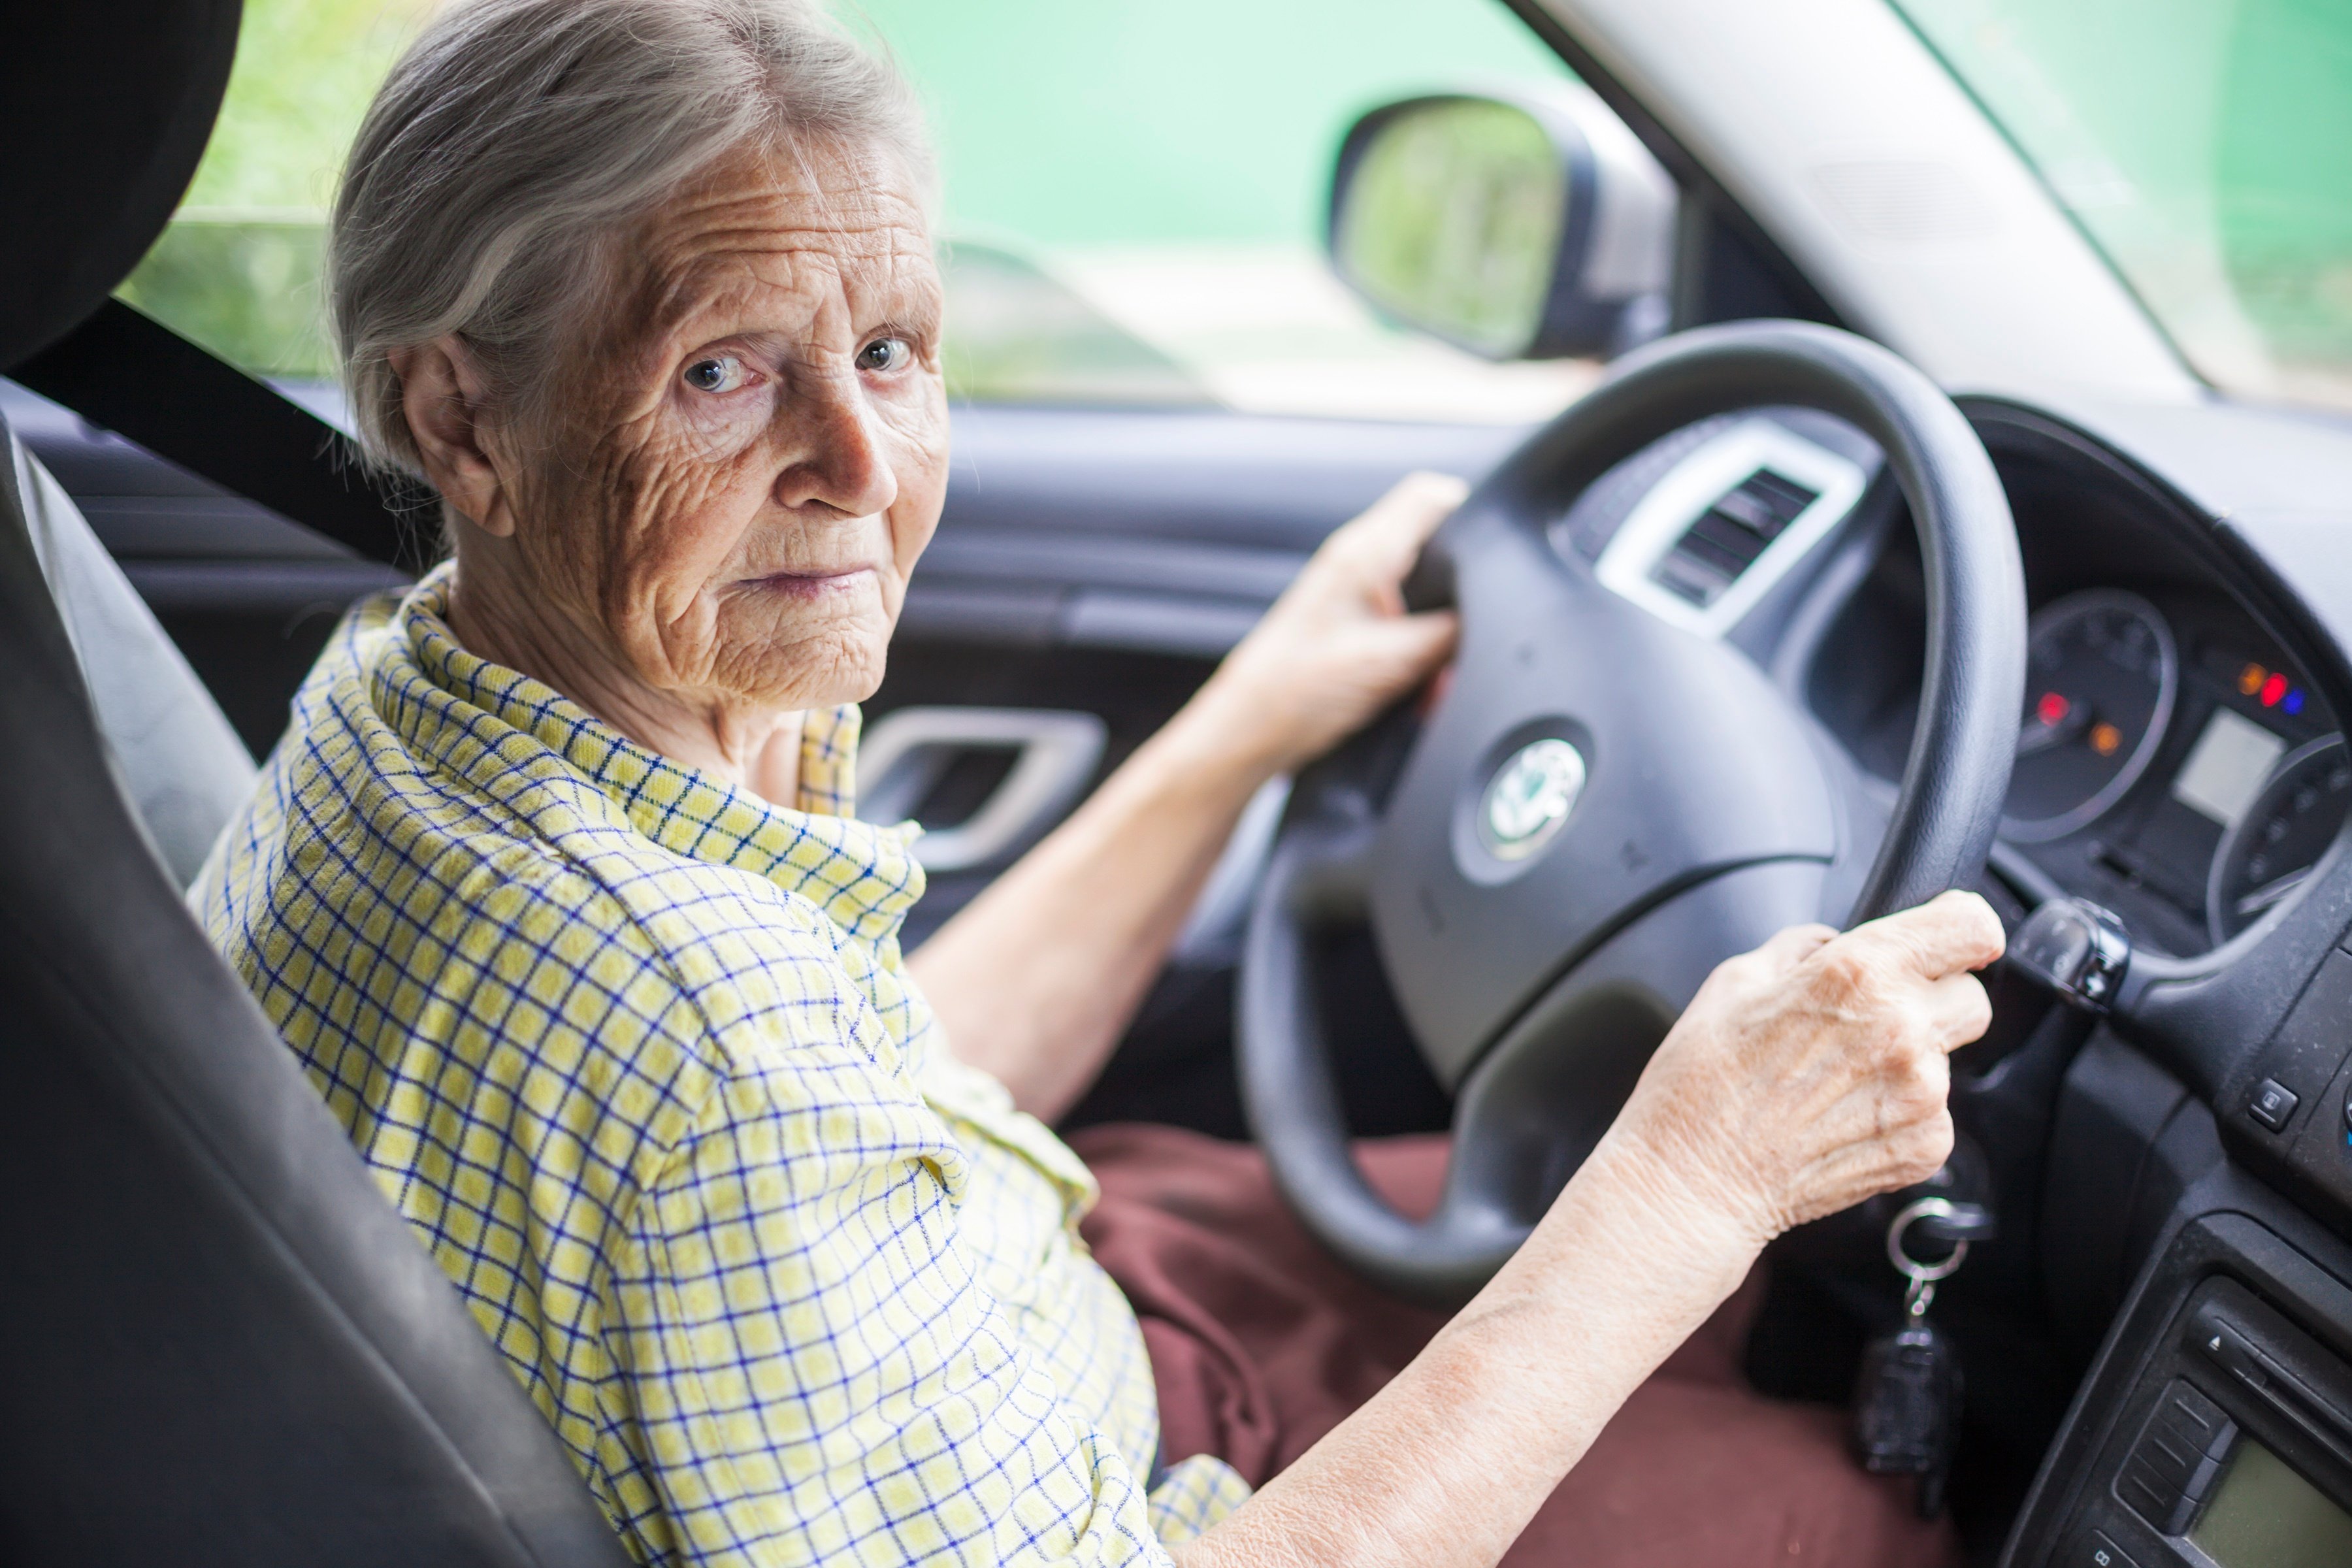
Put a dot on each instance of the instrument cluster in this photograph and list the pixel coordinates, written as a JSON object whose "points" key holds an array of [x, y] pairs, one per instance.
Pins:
{"points": [[2171, 765]]}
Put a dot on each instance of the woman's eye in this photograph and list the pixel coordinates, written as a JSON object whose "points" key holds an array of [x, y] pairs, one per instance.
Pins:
{"points": [[885, 355], [719, 373]]}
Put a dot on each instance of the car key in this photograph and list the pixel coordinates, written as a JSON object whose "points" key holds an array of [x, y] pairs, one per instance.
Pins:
{"points": [[1906, 1414]]}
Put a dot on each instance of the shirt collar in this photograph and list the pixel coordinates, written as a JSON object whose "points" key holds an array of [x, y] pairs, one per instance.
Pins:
{"points": [[864, 877]]}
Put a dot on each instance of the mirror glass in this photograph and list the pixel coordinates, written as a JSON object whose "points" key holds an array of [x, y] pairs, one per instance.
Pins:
{"points": [[1450, 220]]}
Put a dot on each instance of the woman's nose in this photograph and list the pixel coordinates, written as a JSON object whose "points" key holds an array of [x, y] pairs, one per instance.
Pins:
{"points": [[844, 461]]}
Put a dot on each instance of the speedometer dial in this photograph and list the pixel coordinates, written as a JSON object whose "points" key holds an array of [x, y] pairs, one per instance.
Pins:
{"points": [[2274, 845], [2101, 675]]}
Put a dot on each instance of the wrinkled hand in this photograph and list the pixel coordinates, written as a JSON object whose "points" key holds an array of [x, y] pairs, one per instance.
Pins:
{"points": [[1812, 1073], [1338, 646]]}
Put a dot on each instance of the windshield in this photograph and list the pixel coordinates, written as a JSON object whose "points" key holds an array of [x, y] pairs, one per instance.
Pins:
{"points": [[2206, 146], [1134, 195]]}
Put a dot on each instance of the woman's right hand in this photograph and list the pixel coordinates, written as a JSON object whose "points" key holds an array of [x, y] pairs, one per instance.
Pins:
{"points": [[1811, 1074], [1803, 1077]]}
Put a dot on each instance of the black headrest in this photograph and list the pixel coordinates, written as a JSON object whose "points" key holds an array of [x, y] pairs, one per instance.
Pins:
{"points": [[105, 106]]}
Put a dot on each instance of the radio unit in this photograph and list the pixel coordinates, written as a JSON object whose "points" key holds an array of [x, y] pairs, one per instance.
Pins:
{"points": [[2237, 1453]]}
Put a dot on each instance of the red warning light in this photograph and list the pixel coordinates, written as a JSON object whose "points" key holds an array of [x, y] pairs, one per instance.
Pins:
{"points": [[2273, 688], [2052, 708]]}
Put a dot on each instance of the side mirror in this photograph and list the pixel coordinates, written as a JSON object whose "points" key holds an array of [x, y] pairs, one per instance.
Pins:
{"points": [[1518, 224]]}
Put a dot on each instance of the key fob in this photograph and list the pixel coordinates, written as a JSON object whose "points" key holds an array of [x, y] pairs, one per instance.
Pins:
{"points": [[1906, 1411]]}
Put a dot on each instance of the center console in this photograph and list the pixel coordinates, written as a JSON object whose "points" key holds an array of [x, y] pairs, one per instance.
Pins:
{"points": [[2216, 1430]]}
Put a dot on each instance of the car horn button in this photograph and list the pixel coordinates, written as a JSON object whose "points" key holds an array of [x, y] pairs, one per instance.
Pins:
{"points": [[1529, 797]]}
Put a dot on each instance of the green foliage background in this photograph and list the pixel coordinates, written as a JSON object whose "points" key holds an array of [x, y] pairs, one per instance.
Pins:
{"points": [[1060, 122], [2206, 145]]}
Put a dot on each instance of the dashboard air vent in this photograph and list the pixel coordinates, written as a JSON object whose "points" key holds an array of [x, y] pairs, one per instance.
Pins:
{"points": [[1729, 535]]}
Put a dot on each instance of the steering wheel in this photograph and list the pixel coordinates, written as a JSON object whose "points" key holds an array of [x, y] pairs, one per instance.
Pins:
{"points": [[1602, 806]]}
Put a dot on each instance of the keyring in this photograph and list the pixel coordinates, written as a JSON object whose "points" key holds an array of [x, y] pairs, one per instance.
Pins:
{"points": [[1909, 1267]]}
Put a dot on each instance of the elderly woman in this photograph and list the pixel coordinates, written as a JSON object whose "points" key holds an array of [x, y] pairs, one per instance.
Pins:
{"points": [[554, 890]]}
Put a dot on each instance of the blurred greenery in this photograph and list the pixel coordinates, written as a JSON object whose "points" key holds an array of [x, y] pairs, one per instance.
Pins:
{"points": [[1124, 121], [1453, 219], [305, 71], [1019, 335], [239, 269], [245, 287], [1061, 123], [2206, 146]]}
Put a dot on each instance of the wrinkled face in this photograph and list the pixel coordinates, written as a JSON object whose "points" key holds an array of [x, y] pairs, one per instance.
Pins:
{"points": [[744, 465]]}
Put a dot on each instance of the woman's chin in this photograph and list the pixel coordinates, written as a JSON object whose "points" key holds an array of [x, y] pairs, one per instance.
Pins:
{"points": [[823, 649]]}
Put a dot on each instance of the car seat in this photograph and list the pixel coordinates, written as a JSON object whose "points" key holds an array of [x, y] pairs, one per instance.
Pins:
{"points": [[178, 761], [226, 1345]]}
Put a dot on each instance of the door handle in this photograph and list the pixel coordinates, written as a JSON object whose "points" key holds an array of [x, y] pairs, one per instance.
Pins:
{"points": [[908, 749]]}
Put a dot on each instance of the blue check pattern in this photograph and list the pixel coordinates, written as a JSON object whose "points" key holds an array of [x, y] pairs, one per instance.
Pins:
{"points": [[634, 1052]]}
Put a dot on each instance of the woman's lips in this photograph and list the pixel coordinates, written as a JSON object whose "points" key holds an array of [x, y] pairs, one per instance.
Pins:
{"points": [[813, 584]]}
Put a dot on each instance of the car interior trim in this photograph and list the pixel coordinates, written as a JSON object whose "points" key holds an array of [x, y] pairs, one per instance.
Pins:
{"points": [[1053, 756], [1678, 506]]}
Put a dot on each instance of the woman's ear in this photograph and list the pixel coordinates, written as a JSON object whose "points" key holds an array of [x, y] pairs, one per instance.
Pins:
{"points": [[447, 405]]}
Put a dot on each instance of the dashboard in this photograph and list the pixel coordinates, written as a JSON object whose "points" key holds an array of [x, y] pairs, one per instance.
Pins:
{"points": [[2175, 762], [2174, 1176], [2176, 766]]}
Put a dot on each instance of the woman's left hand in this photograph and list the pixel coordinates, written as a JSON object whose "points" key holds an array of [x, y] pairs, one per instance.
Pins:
{"points": [[1036, 978], [1338, 646]]}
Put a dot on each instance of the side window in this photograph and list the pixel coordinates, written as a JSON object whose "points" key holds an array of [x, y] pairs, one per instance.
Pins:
{"points": [[1134, 195], [1135, 198], [237, 271]]}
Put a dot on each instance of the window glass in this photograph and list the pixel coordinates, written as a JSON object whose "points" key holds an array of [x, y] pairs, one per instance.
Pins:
{"points": [[2206, 146], [1134, 194], [237, 271]]}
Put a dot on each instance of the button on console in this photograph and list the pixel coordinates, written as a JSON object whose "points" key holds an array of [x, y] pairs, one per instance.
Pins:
{"points": [[2096, 1550], [2273, 1103], [2178, 1457]]}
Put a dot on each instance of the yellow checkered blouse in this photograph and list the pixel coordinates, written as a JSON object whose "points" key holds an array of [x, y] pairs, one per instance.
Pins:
{"points": [[634, 1052]]}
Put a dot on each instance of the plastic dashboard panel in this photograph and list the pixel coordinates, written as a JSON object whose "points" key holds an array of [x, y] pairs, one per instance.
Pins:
{"points": [[2237, 1265]]}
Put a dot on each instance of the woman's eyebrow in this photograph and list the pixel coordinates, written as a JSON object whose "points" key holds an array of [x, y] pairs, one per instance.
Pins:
{"points": [[718, 296], [916, 311]]}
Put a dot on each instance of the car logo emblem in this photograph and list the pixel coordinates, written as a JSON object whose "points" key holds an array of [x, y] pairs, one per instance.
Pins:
{"points": [[1529, 798]]}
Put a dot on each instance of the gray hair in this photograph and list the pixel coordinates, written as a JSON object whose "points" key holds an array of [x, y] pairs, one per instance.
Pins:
{"points": [[517, 142]]}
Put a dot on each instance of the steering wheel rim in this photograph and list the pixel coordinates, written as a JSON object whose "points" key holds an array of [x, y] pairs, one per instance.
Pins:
{"points": [[1533, 1090]]}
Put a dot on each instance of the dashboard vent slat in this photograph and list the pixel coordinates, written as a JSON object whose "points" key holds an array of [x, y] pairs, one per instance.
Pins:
{"points": [[1727, 538]]}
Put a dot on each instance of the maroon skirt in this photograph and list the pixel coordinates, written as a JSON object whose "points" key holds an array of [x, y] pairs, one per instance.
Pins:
{"points": [[1261, 1343]]}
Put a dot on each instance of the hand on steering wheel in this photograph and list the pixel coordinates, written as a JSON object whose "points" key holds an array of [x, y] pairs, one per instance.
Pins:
{"points": [[1603, 806], [1338, 645], [1811, 1074]]}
